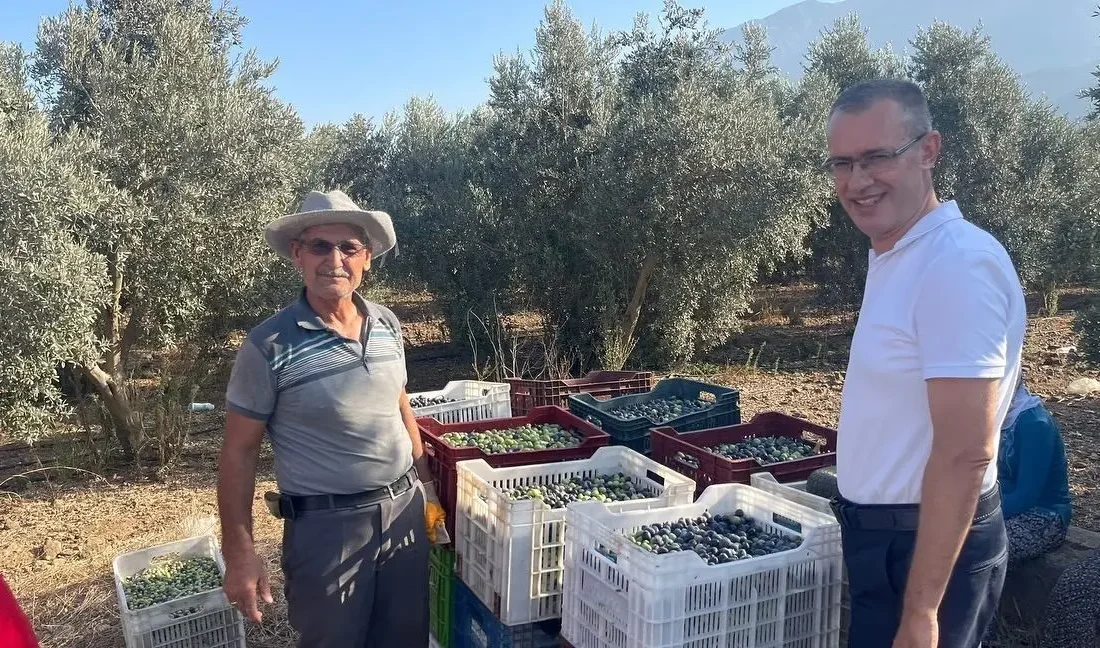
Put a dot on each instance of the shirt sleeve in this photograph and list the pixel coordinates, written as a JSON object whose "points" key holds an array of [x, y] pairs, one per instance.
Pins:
{"points": [[962, 317], [251, 390]]}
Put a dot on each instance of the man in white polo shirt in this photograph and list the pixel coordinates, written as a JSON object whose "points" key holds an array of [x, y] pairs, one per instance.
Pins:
{"points": [[933, 364]]}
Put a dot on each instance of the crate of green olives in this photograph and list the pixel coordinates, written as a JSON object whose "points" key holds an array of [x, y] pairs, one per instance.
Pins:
{"points": [[679, 403], [788, 447], [171, 595], [737, 567], [510, 530], [544, 435]]}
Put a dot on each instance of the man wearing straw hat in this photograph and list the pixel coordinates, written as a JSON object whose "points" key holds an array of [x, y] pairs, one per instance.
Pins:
{"points": [[325, 378]]}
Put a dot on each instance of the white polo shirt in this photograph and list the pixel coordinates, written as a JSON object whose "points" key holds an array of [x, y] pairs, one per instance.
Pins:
{"points": [[945, 302]]}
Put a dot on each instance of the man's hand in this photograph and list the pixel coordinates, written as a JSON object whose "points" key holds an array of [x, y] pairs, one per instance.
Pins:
{"points": [[918, 630], [246, 584]]}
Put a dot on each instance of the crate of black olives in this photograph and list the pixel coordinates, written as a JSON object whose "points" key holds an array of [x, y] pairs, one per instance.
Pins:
{"points": [[464, 400], [545, 435], [788, 447], [679, 403], [510, 529], [172, 594], [738, 567]]}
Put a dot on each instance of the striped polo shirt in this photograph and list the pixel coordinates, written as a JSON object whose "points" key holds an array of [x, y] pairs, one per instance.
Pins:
{"points": [[330, 403]]}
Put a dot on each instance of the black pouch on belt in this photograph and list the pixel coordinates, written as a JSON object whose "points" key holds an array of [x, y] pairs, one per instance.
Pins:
{"points": [[271, 498]]}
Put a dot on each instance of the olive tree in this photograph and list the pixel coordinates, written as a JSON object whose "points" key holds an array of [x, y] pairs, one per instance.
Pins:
{"points": [[1093, 93], [1015, 165], [453, 239], [194, 154], [638, 233], [1088, 321], [842, 56], [51, 288]]}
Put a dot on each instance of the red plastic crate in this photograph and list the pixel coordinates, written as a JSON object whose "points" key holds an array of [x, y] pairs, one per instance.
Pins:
{"points": [[443, 457], [528, 394], [714, 468]]}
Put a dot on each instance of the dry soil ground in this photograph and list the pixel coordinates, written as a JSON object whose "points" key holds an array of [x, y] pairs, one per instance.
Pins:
{"points": [[58, 537]]}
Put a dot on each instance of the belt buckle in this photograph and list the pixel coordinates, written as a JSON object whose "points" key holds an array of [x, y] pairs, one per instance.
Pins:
{"points": [[389, 489]]}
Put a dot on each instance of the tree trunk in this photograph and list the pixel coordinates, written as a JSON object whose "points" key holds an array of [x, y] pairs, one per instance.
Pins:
{"points": [[113, 362], [633, 311], [1051, 298], [118, 405]]}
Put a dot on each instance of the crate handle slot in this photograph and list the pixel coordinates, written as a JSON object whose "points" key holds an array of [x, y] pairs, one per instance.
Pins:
{"points": [[652, 476], [787, 523]]}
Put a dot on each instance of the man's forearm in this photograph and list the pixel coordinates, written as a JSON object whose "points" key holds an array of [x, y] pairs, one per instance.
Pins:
{"points": [[949, 495], [236, 489]]}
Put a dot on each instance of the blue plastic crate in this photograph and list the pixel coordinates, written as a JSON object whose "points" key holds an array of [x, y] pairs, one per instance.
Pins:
{"points": [[476, 627], [634, 433]]}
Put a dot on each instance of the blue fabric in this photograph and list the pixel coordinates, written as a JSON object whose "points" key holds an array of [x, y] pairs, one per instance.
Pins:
{"points": [[1031, 466]]}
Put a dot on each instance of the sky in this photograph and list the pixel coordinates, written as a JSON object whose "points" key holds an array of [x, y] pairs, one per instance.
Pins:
{"points": [[341, 57]]}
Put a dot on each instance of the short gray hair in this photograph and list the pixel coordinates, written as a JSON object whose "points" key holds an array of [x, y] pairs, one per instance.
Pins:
{"points": [[908, 95]]}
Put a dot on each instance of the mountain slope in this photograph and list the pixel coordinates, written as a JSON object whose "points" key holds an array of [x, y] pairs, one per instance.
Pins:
{"points": [[1052, 45]]}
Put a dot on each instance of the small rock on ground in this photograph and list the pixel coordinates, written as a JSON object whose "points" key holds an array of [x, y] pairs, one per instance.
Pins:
{"points": [[1083, 386]]}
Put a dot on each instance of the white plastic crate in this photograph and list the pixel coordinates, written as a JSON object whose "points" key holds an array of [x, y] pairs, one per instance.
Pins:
{"points": [[510, 553], [474, 400], [214, 623], [619, 595], [796, 492]]}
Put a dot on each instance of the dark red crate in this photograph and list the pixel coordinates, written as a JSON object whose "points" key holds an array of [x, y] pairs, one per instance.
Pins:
{"points": [[444, 457], [528, 394], [716, 469]]}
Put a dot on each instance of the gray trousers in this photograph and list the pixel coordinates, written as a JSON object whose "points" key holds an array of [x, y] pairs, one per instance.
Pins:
{"points": [[358, 578]]}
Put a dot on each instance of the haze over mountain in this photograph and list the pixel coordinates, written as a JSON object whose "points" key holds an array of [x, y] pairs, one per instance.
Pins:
{"points": [[1053, 45]]}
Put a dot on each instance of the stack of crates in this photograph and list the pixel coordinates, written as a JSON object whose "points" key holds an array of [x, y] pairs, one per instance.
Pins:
{"points": [[469, 401], [510, 553], [457, 621]]}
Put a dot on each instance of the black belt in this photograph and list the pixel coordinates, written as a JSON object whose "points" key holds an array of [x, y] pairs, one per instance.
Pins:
{"points": [[900, 517], [291, 506]]}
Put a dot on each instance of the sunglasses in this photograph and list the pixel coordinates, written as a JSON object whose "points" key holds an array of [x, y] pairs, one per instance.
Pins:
{"points": [[321, 247]]}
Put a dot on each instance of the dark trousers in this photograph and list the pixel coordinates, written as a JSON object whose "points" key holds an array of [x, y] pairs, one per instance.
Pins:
{"points": [[358, 578], [878, 549]]}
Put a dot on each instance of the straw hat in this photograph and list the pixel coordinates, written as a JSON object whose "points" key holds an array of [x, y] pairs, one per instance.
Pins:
{"points": [[327, 208]]}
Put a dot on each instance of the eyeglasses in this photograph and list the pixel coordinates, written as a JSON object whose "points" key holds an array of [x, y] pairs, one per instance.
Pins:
{"points": [[871, 162], [321, 247]]}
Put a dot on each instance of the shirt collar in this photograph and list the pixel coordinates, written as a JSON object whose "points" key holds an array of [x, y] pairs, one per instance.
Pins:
{"points": [[308, 318], [945, 213]]}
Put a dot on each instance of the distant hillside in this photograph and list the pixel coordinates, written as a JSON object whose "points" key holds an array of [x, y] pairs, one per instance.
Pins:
{"points": [[1053, 45]]}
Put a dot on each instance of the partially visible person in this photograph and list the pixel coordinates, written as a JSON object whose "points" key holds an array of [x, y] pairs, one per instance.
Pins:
{"points": [[1031, 468], [15, 628], [1072, 618]]}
